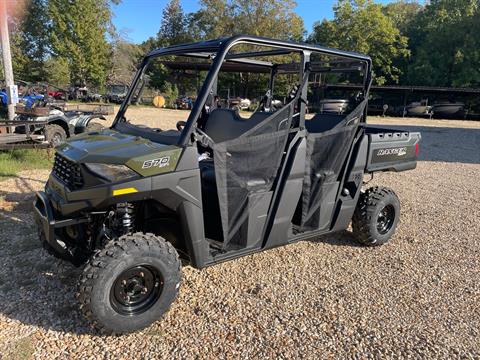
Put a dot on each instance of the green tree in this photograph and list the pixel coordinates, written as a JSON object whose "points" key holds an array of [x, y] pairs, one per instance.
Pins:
{"points": [[361, 25], [79, 35], [446, 45], [30, 41], [19, 59], [270, 18], [403, 13], [170, 92], [125, 58], [57, 71], [173, 28]]}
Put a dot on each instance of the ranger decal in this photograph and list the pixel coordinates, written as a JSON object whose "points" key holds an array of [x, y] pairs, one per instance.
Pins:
{"points": [[394, 151]]}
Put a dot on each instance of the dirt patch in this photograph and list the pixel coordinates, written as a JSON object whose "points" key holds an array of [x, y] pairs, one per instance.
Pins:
{"points": [[17, 192], [150, 116], [20, 349]]}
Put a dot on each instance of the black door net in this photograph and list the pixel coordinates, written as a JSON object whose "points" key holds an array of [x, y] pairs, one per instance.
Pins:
{"points": [[248, 165], [326, 155]]}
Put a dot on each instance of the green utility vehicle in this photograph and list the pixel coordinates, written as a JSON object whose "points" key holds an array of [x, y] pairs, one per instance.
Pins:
{"points": [[134, 202]]}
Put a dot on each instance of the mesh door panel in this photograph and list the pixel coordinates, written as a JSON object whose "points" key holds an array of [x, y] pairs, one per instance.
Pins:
{"points": [[326, 155], [247, 165]]}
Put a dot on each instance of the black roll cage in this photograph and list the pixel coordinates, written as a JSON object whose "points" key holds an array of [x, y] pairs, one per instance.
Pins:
{"points": [[221, 47]]}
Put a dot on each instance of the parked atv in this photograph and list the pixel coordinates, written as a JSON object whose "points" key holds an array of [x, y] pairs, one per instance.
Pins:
{"points": [[57, 122], [133, 202]]}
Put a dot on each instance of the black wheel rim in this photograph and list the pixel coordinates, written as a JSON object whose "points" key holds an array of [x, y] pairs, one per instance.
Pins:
{"points": [[136, 290], [385, 219]]}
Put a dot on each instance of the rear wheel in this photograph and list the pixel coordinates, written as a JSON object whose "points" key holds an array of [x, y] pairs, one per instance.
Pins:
{"points": [[130, 283], [54, 134], [376, 216]]}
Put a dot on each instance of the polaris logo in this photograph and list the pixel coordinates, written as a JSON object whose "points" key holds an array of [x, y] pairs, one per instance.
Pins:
{"points": [[394, 151], [160, 162]]}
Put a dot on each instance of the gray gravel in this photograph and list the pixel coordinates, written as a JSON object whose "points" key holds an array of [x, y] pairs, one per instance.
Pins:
{"points": [[417, 297]]}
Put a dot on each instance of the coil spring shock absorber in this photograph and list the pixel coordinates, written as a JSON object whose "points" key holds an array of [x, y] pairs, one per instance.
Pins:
{"points": [[126, 211]]}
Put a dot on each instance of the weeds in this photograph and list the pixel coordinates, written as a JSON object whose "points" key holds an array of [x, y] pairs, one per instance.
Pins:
{"points": [[14, 161]]}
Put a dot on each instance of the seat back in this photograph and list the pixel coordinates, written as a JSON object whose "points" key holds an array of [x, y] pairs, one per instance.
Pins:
{"points": [[226, 124], [323, 122]]}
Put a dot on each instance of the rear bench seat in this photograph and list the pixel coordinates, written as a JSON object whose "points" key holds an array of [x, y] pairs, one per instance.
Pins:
{"points": [[323, 122], [226, 124]]}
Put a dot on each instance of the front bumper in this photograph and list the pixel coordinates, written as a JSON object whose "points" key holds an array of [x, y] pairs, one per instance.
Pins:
{"points": [[59, 207], [48, 224]]}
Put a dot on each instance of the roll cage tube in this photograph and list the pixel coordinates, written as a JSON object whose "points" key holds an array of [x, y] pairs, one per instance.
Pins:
{"points": [[221, 48]]}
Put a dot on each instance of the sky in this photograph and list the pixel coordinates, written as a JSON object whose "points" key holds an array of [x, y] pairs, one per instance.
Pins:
{"points": [[137, 20]]}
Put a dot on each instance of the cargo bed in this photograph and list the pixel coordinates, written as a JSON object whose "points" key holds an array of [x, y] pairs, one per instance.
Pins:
{"points": [[391, 149]]}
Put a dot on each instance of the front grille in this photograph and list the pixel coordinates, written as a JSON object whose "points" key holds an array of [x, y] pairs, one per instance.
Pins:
{"points": [[68, 171]]}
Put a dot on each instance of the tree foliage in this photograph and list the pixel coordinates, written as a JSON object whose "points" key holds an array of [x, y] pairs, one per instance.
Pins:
{"points": [[173, 28], [78, 35], [403, 13], [361, 25], [57, 71], [221, 18], [62, 41], [445, 43], [31, 42], [437, 43], [124, 60], [269, 18]]}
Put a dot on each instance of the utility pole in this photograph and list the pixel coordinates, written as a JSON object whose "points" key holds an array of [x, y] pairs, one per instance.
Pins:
{"points": [[7, 60]]}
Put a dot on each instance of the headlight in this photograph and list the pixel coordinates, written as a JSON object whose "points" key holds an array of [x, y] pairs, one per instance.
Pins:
{"points": [[111, 172]]}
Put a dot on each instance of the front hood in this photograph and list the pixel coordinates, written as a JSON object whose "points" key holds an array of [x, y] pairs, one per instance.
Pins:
{"points": [[112, 147]]}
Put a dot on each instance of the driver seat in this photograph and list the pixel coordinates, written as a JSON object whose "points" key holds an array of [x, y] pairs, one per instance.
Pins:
{"points": [[223, 125]]}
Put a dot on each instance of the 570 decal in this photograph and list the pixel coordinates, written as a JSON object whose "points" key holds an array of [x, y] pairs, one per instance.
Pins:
{"points": [[160, 162]]}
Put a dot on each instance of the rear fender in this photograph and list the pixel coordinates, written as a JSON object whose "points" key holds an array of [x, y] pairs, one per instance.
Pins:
{"points": [[81, 122]]}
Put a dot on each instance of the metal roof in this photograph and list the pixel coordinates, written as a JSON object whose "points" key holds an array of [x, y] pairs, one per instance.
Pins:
{"points": [[217, 44]]}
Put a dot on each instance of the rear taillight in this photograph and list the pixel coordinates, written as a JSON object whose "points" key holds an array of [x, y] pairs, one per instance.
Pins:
{"points": [[416, 149]]}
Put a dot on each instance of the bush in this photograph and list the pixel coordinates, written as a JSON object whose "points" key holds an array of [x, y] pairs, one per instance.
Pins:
{"points": [[170, 93]]}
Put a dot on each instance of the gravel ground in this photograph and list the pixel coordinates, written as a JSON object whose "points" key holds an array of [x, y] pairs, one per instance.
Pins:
{"points": [[416, 297]]}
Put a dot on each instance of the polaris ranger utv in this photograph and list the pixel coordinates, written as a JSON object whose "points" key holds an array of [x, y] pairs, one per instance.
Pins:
{"points": [[134, 202]]}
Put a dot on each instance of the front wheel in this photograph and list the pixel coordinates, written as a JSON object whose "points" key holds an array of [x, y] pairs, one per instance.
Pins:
{"points": [[130, 283], [54, 134], [376, 216]]}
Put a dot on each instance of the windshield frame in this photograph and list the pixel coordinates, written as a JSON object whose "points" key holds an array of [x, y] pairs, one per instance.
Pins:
{"points": [[217, 50]]}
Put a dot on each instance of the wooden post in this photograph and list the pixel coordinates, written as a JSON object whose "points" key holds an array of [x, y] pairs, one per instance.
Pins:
{"points": [[7, 57]]}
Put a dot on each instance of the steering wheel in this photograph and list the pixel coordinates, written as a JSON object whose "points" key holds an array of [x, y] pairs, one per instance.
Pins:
{"points": [[180, 125]]}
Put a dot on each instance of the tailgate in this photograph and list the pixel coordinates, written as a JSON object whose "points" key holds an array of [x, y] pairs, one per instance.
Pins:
{"points": [[391, 150]]}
